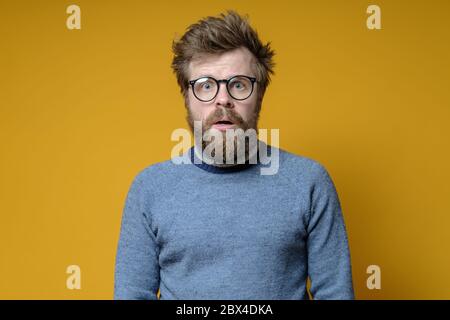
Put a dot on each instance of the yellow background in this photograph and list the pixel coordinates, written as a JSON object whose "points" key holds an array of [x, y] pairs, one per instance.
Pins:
{"points": [[82, 111]]}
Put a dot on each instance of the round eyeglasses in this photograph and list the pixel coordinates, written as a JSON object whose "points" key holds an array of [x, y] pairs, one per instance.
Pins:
{"points": [[239, 87]]}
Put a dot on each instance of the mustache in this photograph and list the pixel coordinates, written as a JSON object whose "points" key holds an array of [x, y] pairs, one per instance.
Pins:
{"points": [[220, 113]]}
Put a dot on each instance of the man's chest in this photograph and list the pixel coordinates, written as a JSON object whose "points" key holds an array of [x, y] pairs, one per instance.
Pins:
{"points": [[221, 222]]}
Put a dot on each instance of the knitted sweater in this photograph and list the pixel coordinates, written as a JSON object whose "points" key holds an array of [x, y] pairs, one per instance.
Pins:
{"points": [[198, 231]]}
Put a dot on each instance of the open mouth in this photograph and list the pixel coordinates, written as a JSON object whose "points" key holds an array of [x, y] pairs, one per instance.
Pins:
{"points": [[223, 125], [223, 122]]}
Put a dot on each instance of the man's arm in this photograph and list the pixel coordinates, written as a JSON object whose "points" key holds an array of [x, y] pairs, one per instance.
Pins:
{"points": [[329, 265], [137, 268]]}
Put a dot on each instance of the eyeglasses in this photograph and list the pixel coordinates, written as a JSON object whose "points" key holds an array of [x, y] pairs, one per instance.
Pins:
{"points": [[239, 87]]}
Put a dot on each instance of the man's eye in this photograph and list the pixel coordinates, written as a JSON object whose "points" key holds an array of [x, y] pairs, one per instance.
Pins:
{"points": [[206, 86], [238, 85]]}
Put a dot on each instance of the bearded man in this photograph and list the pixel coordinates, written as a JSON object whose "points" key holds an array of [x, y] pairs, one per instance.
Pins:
{"points": [[216, 228]]}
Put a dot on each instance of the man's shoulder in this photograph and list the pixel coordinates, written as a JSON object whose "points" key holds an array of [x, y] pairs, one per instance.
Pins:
{"points": [[298, 162], [160, 171], [305, 172], [291, 164]]}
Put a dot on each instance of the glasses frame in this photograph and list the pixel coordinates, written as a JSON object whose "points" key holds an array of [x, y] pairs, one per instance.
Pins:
{"points": [[226, 81]]}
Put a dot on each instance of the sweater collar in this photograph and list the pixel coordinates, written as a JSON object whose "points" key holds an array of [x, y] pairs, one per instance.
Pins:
{"points": [[195, 159]]}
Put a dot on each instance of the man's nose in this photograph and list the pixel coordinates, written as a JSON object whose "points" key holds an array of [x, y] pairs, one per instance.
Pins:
{"points": [[223, 97]]}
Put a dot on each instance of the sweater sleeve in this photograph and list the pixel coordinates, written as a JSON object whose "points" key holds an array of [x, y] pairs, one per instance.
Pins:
{"points": [[329, 265], [137, 267]]}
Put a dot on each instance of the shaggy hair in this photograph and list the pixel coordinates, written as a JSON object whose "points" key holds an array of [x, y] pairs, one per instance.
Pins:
{"points": [[226, 32]]}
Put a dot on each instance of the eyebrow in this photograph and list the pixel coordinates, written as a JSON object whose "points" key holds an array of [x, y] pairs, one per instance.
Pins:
{"points": [[205, 76], [211, 76]]}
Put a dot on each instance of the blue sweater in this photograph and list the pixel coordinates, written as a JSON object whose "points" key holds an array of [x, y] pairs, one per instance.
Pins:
{"points": [[198, 231]]}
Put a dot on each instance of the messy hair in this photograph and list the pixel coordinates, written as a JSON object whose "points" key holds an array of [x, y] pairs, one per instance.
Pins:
{"points": [[226, 32]]}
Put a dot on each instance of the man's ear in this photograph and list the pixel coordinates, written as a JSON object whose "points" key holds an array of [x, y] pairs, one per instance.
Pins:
{"points": [[186, 99], [260, 100]]}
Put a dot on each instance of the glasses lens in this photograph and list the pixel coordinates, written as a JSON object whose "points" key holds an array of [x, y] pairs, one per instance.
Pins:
{"points": [[205, 89], [240, 87]]}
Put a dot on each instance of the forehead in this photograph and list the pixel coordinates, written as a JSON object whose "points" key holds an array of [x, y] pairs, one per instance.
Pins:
{"points": [[223, 65]]}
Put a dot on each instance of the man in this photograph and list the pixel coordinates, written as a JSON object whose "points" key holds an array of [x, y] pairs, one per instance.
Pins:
{"points": [[213, 229]]}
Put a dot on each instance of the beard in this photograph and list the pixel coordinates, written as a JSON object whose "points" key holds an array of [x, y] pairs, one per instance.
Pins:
{"points": [[238, 147]]}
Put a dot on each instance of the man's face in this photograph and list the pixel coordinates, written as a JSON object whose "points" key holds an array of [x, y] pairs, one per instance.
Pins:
{"points": [[242, 113]]}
